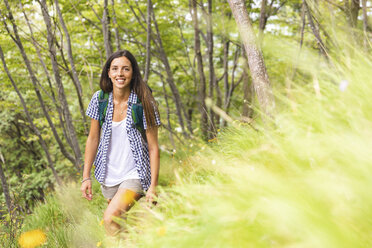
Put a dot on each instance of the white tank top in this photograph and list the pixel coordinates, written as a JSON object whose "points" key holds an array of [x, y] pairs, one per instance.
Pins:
{"points": [[120, 162]]}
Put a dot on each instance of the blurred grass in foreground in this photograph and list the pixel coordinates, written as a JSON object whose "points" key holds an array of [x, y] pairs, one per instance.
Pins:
{"points": [[304, 183]]}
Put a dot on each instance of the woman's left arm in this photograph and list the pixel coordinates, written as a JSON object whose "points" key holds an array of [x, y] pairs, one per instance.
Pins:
{"points": [[152, 141]]}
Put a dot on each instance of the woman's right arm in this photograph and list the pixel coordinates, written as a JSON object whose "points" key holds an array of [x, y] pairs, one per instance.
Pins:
{"points": [[90, 153]]}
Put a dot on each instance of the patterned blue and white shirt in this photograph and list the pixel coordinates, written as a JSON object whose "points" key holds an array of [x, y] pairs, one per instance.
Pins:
{"points": [[138, 146]]}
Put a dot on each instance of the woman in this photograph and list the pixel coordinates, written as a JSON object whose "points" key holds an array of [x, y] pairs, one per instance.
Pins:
{"points": [[127, 164]]}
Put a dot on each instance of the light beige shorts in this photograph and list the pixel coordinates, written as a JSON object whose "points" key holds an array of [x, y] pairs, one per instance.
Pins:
{"points": [[131, 184]]}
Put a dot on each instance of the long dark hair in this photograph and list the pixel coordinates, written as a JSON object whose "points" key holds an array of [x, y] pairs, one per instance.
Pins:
{"points": [[137, 84]]}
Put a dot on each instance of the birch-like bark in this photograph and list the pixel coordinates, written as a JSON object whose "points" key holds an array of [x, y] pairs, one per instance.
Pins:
{"points": [[75, 77], [61, 92], [4, 184], [105, 21], [115, 23], [255, 59], [148, 41], [29, 118], [202, 81]]}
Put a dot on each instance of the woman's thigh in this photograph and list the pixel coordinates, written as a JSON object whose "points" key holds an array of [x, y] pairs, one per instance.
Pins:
{"points": [[122, 201]]}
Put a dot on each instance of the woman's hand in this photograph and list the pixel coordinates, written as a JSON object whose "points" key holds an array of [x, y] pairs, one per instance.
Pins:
{"points": [[151, 195], [86, 189]]}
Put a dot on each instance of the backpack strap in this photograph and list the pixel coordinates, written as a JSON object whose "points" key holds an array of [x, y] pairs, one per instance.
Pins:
{"points": [[137, 116], [102, 106]]}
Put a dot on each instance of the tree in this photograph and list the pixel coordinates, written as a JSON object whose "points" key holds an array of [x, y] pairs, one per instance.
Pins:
{"points": [[255, 59], [61, 92], [201, 81]]}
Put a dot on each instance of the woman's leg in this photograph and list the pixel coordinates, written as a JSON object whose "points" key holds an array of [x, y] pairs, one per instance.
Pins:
{"points": [[119, 205]]}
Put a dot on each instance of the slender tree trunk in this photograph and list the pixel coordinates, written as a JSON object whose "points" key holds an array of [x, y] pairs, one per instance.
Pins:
{"points": [[365, 25], [202, 81], [255, 59], [106, 29], [233, 84], [75, 77], [248, 95], [303, 22], [262, 23], [34, 81], [226, 46], [315, 30], [34, 128], [4, 184], [148, 41], [170, 78], [61, 91], [168, 116], [212, 75], [352, 8], [117, 37]]}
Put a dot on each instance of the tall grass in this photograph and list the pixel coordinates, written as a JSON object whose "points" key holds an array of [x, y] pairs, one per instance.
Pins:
{"points": [[304, 183]]}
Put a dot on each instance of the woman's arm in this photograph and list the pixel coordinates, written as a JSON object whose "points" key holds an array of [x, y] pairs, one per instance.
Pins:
{"points": [[152, 141], [90, 153]]}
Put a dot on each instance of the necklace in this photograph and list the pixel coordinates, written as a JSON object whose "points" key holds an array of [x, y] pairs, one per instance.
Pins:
{"points": [[121, 107]]}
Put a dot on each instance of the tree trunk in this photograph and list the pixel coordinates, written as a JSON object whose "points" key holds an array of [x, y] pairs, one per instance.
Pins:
{"points": [[315, 30], [233, 84], [226, 46], [4, 184], [212, 75], [248, 91], [202, 83], [170, 78], [75, 77], [61, 91], [262, 23], [117, 37], [34, 128], [352, 8], [148, 41], [365, 25], [255, 59], [106, 29], [34, 81], [168, 116]]}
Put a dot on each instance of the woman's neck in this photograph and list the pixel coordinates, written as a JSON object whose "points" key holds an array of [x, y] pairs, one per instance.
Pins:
{"points": [[121, 95]]}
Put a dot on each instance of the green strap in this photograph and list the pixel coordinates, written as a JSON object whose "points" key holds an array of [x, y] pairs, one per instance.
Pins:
{"points": [[102, 108]]}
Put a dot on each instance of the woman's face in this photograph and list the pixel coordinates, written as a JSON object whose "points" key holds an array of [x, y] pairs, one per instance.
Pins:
{"points": [[120, 73]]}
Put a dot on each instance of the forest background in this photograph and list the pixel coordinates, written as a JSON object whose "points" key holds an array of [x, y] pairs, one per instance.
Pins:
{"points": [[215, 75]]}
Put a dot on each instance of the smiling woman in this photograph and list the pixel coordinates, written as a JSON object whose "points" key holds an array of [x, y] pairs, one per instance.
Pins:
{"points": [[127, 164]]}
